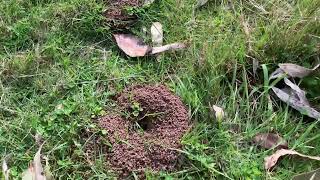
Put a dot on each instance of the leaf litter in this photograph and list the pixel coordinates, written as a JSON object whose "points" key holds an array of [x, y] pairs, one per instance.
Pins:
{"points": [[291, 93], [271, 161], [135, 47], [295, 97], [292, 70]]}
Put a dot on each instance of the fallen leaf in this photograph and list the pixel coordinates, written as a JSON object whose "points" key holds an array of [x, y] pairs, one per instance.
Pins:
{"points": [[156, 34], [173, 46], [312, 175], [292, 100], [200, 3], [35, 170], [295, 90], [294, 70], [131, 45], [271, 161], [270, 140], [135, 47], [5, 169], [218, 111]]}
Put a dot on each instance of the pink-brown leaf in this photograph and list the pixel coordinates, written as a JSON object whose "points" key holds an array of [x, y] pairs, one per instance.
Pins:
{"points": [[131, 45]]}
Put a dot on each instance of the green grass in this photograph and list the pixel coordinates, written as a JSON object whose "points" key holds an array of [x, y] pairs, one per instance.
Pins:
{"points": [[61, 54]]}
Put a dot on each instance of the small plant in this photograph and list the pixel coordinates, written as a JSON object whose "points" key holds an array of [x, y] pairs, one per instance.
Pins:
{"points": [[135, 10], [136, 109]]}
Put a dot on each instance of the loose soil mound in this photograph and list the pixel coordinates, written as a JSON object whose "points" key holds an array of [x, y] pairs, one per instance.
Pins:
{"points": [[148, 139], [117, 14]]}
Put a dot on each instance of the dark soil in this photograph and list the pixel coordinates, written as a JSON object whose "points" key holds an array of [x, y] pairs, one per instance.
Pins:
{"points": [[148, 141], [117, 14]]}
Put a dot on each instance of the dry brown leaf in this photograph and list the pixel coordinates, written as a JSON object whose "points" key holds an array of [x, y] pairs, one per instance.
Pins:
{"points": [[294, 100], [294, 70], [270, 140], [295, 90], [271, 161], [131, 45]]}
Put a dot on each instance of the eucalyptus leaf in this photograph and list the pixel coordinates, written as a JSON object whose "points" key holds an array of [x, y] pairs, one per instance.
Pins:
{"points": [[294, 70], [296, 103]]}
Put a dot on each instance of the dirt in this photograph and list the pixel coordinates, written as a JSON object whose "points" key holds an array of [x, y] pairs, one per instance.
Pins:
{"points": [[116, 13], [150, 139]]}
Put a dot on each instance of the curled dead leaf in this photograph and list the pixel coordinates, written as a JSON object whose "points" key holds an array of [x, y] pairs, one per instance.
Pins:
{"points": [[270, 140], [295, 90], [271, 161], [297, 102]]}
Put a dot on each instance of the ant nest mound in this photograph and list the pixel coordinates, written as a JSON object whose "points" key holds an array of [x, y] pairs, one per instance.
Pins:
{"points": [[148, 132], [117, 14]]}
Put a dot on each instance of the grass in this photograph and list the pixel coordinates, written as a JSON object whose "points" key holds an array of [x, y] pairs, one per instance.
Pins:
{"points": [[59, 68]]}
